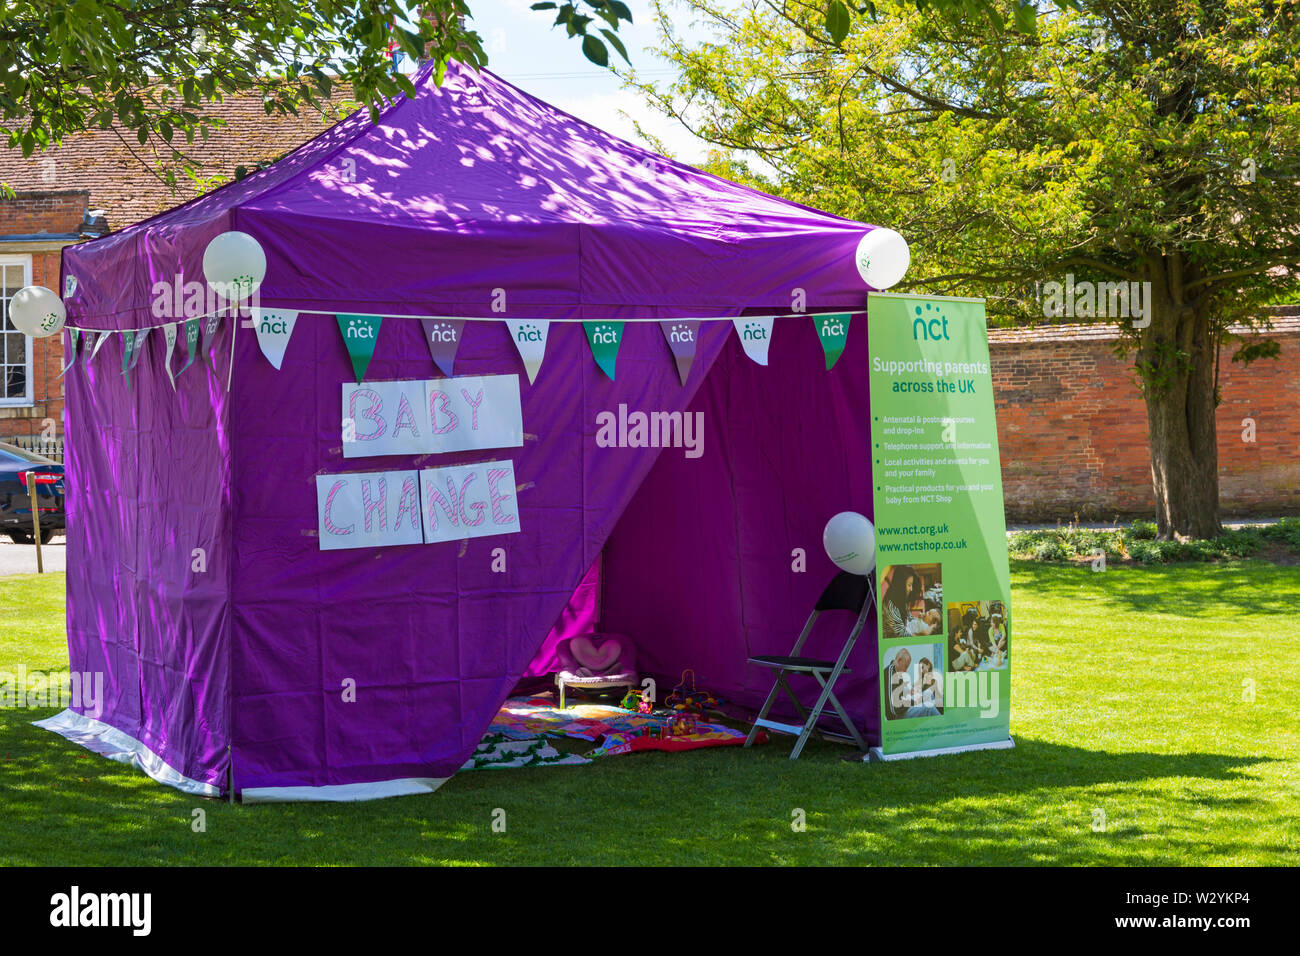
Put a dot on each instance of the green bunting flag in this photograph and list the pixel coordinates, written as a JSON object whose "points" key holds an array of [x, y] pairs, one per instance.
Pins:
{"points": [[359, 335], [605, 338], [833, 332], [75, 337], [132, 346], [191, 343]]}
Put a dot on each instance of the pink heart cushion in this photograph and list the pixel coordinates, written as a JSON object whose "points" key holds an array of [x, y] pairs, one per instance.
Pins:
{"points": [[598, 657]]}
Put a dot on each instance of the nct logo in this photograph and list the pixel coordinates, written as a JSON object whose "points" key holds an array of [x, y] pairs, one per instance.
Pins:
{"points": [[443, 332], [359, 330], [528, 333], [274, 325], [604, 335], [681, 334], [833, 330], [929, 327], [754, 332]]}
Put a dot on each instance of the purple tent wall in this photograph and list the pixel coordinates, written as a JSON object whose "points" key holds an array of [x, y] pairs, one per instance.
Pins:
{"points": [[148, 484], [433, 638], [699, 569]]}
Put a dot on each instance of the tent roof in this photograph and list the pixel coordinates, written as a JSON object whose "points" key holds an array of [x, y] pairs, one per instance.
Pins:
{"points": [[478, 172]]}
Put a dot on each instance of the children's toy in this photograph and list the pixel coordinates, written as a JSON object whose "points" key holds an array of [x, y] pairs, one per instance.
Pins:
{"points": [[688, 698]]}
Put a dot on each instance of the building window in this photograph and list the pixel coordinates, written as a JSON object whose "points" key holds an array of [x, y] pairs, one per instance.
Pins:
{"points": [[15, 348]]}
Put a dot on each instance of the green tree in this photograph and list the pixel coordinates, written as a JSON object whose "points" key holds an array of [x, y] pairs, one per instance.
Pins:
{"points": [[148, 67], [1154, 142]]}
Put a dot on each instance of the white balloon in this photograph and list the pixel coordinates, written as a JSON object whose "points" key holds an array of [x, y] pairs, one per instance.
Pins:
{"points": [[234, 265], [850, 541], [882, 258], [37, 311]]}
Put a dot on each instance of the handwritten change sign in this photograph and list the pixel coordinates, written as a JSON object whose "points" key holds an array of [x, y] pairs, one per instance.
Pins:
{"points": [[387, 508], [376, 510], [469, 501], [434, 416]]}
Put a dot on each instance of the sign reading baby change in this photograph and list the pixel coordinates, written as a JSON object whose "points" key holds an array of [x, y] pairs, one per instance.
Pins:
{"points": [[433, 416], [946, 628], [389, 508]]}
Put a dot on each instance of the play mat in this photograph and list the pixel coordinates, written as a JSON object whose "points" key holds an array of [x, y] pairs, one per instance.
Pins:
{"points": [[518, 734]]}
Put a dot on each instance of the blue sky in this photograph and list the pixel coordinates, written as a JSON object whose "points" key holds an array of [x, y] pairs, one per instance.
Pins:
{"points": [[524, 49]]}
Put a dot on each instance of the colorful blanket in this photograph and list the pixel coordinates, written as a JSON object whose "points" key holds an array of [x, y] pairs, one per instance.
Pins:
{"points": [[708, 735], [498, 753], [516, 737], [522, 718]]}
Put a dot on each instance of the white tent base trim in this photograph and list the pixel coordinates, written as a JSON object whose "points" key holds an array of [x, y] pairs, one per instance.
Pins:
{"points": [[108, 741], [344, 792], [875, 753]]}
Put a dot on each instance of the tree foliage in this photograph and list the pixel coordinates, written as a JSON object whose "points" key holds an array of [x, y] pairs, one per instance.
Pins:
{"points": [[147, 68], [1129, 141]]}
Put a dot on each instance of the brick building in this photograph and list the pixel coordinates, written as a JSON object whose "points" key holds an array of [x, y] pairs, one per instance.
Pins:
{"points": [[1071, 421], [99, 172]]}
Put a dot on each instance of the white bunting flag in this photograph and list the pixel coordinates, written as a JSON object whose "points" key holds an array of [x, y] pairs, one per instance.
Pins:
{"points": [[530, 339], [274, 326], [103, 337], [755, 336], [169, 336]]}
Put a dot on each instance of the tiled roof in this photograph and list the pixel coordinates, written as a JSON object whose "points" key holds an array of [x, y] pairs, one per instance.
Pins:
{"points": [[1286, 321], [129, 190]]}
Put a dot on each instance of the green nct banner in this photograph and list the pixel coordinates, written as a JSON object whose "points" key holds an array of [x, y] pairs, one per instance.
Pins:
{"points": [[942, 578]]}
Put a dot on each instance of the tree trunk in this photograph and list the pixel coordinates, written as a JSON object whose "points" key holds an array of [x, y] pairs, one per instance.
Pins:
{"points": [[1176, 362]]}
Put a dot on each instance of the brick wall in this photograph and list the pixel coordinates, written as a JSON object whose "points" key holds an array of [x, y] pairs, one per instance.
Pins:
{"points": [[32, 212], [52, 213], [1073, 433]]}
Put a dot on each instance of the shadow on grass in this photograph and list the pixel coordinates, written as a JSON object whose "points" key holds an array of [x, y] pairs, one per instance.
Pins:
{"points": [[1248, 587], [1034, 804]]}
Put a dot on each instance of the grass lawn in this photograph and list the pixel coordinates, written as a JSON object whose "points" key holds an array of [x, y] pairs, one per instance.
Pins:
{"points": [[1127, 698]]}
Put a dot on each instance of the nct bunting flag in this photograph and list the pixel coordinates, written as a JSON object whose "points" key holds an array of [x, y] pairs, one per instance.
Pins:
{"points": [[604, 338], [530, 339], [191, 343], [360, 333], [93, 340], [682, 336], [103, 337], [210, 332], [443, 338], [169, 336], [274, 326], [75, 337], [132, 345], [755, 336], [833, 332]]}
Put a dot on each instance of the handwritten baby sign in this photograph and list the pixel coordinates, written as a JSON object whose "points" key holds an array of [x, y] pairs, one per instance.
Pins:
{"points": [[388, 508], [466, 413]]}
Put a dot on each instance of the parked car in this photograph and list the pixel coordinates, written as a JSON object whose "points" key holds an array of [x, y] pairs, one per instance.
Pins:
{"points": [[16, 506]]}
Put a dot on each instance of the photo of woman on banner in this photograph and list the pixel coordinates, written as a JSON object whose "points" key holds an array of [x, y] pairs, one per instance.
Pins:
{"points": [[913, 600]]}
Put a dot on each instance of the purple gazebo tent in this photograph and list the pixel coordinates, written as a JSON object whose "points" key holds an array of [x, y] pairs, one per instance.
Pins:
{"points": [[196, 585]]}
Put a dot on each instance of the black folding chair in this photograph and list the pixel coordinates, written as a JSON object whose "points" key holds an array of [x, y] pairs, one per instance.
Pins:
{"points": [[846, 592]]}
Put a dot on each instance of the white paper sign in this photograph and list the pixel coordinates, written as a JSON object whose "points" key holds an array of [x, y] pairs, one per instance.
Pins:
{"points": [[372, 510], [435, 416], [475, 412], [469, 501], [385, 418]]}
